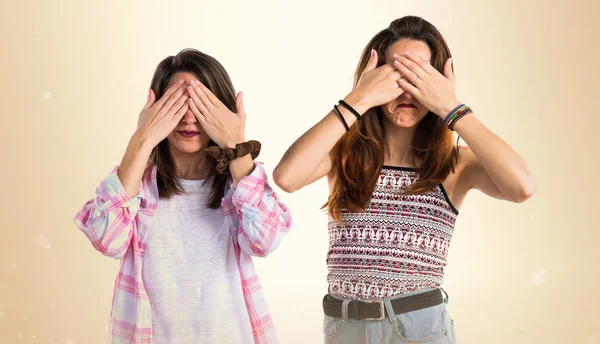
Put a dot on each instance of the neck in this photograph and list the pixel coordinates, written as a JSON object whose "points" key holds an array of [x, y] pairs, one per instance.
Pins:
{"points": [[192, 166], [398, 150]]}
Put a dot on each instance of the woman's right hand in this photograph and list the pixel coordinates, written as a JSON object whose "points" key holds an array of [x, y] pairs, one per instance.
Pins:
{"points": [[159, 118], [377, 85]]}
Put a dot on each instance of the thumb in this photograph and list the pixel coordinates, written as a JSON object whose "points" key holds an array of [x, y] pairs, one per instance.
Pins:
{"points": [[372, 64], [151, 99], [239, 104], [448, 72]]}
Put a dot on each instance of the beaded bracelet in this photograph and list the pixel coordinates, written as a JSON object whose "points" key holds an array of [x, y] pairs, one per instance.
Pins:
{"points": [[459, 116], [456, 114]]}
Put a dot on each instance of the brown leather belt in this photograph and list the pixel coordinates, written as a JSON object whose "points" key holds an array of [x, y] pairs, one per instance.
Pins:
{"points": [[375, 310]]}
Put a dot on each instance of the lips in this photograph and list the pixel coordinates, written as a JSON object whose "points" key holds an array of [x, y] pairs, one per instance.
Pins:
{"points": [[188, 133], [406, 106]]}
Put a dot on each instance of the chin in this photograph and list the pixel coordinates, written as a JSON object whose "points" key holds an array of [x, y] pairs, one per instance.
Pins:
{"points": [[191, 150], [404, 120], [188, 147]]}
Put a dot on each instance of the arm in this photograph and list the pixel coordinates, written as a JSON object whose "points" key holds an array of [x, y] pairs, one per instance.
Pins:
{"points": [[108, 219], [263, 219], [308, 159], [489, 164]]}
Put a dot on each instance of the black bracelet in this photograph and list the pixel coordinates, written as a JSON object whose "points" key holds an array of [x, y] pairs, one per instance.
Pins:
{"points": [[341, 118], [351, 109]]}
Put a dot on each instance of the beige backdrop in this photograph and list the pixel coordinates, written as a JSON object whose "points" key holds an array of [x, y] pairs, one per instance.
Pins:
{"points": [[73, 77]]}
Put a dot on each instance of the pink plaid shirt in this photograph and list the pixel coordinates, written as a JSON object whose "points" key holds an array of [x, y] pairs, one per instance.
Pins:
{"points": [[115, 225]]}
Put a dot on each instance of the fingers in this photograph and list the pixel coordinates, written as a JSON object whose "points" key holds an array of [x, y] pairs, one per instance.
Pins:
{"points": [[398, 92], [407, 73], [448, 71], [421, 62], [150, 101], [174, 88], [195, 98], [408, 87], [196, 111], [411, 65], [372, 64], [207, 93], [177, 106], [173, 98], [197, 89], [391, 71], [181, 112], [239, 104]]}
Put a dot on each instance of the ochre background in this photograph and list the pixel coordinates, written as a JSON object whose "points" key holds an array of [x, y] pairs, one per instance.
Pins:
{"points": [[74, 75]]}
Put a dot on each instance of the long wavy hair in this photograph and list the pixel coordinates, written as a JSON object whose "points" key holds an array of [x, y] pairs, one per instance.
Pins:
{"points": [[212, 74], [358, 156]]}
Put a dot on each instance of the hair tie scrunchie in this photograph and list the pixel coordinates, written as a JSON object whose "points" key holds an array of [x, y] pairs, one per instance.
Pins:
{"points": [[225, 155]]}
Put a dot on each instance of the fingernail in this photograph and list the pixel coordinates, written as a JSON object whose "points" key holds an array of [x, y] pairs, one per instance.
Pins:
{"points": [[397, 63], [396, 56], [197, 82], [406, 53]]}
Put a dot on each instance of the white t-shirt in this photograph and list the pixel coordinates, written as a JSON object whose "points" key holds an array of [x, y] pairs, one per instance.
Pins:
{"points": [[191, 273]]}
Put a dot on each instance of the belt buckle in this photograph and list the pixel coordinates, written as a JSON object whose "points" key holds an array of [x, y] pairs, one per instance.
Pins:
{"points": [[381, 311]]}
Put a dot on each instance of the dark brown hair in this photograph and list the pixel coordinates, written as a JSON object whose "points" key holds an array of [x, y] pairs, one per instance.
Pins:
{"points": [[212, 74], [358, 156]]}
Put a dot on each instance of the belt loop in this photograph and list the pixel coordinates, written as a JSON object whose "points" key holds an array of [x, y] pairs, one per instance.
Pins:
{"points": [[390, 311], [345, 309], [447, 297]]}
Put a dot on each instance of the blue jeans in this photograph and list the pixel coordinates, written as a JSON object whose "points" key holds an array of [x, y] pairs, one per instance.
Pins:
{"points": [[431, 325]]}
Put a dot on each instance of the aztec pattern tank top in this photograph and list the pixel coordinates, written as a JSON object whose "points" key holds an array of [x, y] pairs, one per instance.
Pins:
{"points": [[398, 245]]}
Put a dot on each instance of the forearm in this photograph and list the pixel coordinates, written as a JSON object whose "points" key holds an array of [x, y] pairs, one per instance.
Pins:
{"points": [[302, 159], [241, 167], [502, 163], [133, 164], [263, 218]]}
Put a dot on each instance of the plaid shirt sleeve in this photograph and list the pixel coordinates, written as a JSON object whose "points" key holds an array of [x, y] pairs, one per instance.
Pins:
{"points": [[263, 219], [107, 219]]}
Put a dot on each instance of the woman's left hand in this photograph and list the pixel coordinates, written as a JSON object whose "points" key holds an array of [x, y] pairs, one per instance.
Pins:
{"points": [[435, 91], [222, 125]]}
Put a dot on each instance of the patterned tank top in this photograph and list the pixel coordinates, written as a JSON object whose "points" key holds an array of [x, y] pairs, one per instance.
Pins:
{"points": [[398, 245]]}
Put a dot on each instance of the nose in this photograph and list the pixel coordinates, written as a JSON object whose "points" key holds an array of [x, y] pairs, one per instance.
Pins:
{"points": [[189, 117], [406, 96]]}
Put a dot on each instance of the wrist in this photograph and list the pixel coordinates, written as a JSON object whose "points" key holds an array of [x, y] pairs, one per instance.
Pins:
{"points": [[141, 143], [358, 101], [444, 111], [232, 142]]}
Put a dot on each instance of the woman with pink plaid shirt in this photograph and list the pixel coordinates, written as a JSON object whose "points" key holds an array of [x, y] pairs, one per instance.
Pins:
{"points": [[184, 228]]}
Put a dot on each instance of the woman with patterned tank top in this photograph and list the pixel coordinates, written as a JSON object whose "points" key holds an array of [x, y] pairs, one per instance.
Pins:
{"points": [[396, 181]]}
